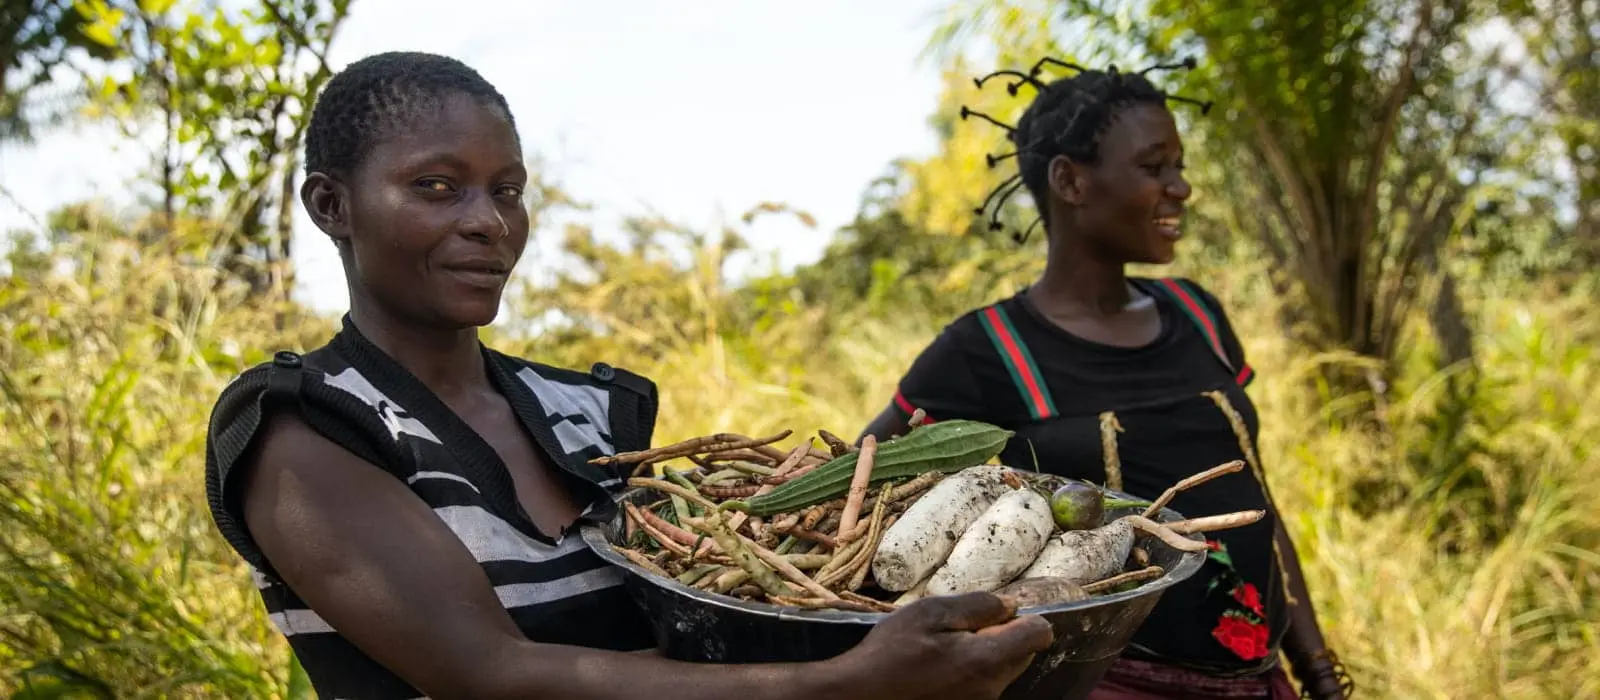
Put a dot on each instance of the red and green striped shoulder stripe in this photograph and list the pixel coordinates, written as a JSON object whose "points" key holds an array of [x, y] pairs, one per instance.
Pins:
{"points": [[1189, 300], [1019, 362]]}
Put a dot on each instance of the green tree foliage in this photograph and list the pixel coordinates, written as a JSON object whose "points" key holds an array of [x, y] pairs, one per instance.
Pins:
{"points": [[36, 37], [1563, 50], [1352, 140], [228, 92]]}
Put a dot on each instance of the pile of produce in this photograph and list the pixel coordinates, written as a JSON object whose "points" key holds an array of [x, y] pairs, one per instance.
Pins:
{"points": [[873, 527]]}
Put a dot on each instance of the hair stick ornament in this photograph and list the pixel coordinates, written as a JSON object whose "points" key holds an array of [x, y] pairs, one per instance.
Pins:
{"points": [[1012, 88], [1186, 64], [966, 112], [1021, 238], [993, 160], [1040, 64], [994, 217], [1006, 186], [1204, 105]]}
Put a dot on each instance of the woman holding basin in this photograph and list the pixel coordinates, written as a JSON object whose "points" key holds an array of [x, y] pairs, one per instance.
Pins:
{"points": [[407, 497], [1131, 382]]}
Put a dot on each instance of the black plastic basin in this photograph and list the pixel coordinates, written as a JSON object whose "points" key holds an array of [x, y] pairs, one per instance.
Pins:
{"points": [[698, 626]]}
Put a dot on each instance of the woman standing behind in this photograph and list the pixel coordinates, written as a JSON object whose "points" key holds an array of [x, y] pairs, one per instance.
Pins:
{"points": [[1133, 383]]}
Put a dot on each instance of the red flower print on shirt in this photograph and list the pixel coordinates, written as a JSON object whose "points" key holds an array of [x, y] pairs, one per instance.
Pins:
{"points": [[1249, 597], [1244, 637], [1242, 630]]}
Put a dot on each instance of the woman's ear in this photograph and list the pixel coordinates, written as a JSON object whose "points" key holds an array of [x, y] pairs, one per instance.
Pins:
{"points": [[1067, 180], [327, 201]]}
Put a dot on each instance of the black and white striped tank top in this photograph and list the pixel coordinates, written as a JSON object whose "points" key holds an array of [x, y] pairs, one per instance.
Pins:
{"points": [[555, 589]]}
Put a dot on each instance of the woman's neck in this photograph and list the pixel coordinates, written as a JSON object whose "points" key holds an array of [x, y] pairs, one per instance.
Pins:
{"points": [[1077, 283], [449, 363]]}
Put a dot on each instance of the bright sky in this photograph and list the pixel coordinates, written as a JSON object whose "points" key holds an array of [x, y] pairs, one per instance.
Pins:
{"points": [[694, 110]]}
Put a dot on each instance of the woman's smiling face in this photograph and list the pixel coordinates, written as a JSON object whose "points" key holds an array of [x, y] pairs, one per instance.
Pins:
{"points": [[432, 217], [1128, 204]]}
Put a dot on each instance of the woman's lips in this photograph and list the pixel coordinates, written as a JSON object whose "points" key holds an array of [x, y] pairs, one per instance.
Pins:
{"points": [[1168, 226]]}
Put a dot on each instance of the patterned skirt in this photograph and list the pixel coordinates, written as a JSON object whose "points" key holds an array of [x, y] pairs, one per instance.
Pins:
{"points": [[1131, 679]]}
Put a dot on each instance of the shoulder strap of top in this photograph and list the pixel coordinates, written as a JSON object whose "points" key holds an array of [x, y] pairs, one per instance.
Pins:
{"points": [[343, 417], [633, 411], [1187, 298], [282, 384], [612, 409], [237, 419], [1013, 351], [1029, 381], [634, 401]]}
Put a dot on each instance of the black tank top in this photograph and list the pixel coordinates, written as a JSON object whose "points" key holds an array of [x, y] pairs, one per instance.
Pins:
{"points": [[556, 590]]}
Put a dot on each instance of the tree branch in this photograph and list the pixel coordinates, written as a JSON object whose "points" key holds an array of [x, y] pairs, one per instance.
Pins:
{"points": [[1388, 123], [1300, 222]]}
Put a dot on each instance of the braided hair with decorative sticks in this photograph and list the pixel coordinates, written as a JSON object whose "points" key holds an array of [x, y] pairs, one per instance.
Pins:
{"points": [[1067, 118]]}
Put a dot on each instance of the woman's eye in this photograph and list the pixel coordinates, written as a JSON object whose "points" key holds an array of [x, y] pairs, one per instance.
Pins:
{"points": [[434, 185], [511, 191]]}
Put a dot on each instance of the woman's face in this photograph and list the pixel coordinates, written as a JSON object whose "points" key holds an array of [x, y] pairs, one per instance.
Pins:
{"points": [[1128, 206], [432, 218]]}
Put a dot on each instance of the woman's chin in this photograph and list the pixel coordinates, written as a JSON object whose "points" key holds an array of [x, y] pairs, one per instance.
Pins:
{"points": [[472, 315], [1158, 255]]}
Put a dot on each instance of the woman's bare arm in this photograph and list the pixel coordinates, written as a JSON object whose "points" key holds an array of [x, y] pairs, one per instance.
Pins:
{"points": [[375, 562]]}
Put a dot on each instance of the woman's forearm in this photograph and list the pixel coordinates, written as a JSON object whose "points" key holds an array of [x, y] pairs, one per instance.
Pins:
{"points": [[1304, 637], [538, 670], [1317, 669]]}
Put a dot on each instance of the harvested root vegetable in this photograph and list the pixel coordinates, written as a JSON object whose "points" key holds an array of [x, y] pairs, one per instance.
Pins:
{"points": [[1212, 523], [1190, 482], [721, 442], [858, 484], [1000, 544], [916, 593], [1046, 590], [1165, 534], [837, 446], [925, 535], [1083, 556], [1124, 578]]}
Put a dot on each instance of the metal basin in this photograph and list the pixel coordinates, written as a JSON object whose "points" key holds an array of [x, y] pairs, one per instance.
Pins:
{"points": [[699, 626]]}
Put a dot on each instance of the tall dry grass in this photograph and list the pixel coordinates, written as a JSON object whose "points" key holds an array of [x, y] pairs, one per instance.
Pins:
{"points": [[112, 582], [1451, 555]]}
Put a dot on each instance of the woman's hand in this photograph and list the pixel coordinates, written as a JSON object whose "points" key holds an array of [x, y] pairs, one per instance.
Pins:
{"points": [[1322, 687], [966, 646], [1323, 677]]}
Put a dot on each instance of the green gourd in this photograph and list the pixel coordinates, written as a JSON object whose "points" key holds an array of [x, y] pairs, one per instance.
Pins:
{"points": [[946, 446]]}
